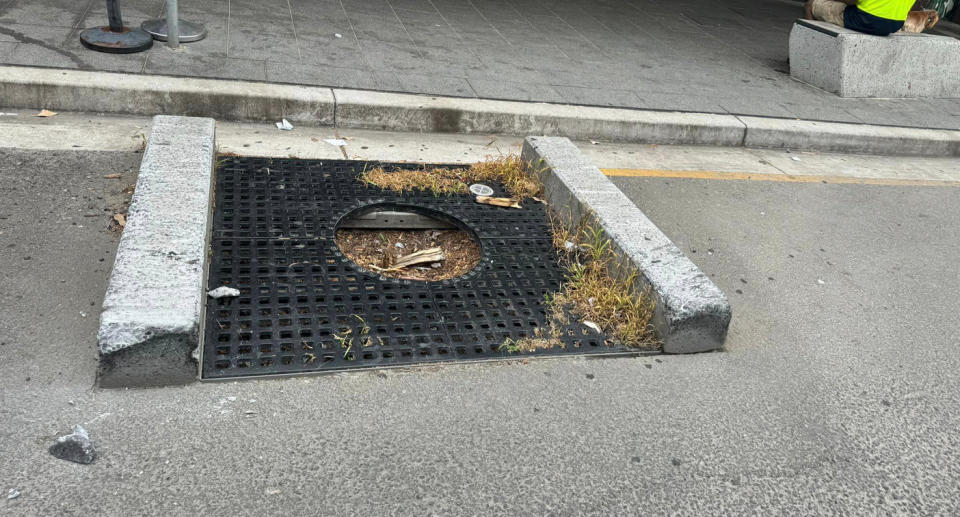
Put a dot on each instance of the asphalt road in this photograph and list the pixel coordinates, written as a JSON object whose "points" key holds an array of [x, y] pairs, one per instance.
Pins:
{"points": [[837, 392]]}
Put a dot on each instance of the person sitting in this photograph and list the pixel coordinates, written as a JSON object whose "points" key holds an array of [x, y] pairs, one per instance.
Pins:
{"points": [[877, 17]]}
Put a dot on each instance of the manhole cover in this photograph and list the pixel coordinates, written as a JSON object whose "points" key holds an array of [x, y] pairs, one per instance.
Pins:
{"points": [[306, 307]]}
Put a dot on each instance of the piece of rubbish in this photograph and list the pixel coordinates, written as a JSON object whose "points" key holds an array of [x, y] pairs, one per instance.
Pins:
{"points": [[420, 257], [820, 282], [592, 325], [479, 189], [75, 447], [594, 142], [569, 246], [8, 115], [498, 201], [591, 301], [339, 142], [337, 35], [112, 176], [223, 292], [46, 113], [436, 265], [13, 493], [120, 219], [399, 245], [794, 158], [284, 125]]}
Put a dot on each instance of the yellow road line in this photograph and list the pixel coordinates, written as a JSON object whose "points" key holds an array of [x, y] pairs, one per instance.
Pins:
{"points": [[785, 178]]}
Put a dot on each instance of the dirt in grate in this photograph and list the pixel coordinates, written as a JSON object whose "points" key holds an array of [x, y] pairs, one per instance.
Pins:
{"points": [[378, 250]]}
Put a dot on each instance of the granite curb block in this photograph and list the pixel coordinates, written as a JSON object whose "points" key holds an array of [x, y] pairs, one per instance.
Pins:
{"points": [[692, 314], [152, 321], [228, 100]]}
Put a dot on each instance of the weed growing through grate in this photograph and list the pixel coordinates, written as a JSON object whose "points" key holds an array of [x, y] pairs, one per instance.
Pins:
{"points": [[516, 346], [593, 294], [510, 171]]}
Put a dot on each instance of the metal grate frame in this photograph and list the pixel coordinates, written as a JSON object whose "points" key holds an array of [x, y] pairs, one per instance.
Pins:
{"points": [[302, 300]]}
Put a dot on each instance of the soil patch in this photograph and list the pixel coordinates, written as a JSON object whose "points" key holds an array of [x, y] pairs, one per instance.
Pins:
{"points": [[378, 250]]}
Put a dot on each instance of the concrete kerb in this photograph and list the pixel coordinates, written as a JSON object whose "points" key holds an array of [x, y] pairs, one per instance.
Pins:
{"points": [[73, 90], [692, 314], [108, 92], [403, 112], [849, 138], [152, 315]]}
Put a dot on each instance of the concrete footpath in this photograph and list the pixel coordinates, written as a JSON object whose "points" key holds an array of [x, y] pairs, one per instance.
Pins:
{"points": [[835, 394], [727, 56]]}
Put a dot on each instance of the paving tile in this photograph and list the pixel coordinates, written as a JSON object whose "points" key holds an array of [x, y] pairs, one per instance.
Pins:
{"points": [[35, 55], [164, 61], [319, 75], [523, 91], [254, 42], [414, 5], [678, 102], [315, 53], [259, 11], [40, 35], [387, 80], [599, 96], [44, 12], [436, 85]]}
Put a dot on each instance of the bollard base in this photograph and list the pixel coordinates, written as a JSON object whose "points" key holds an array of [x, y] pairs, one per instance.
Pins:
{"points": [[189, 31], [127, 41]]}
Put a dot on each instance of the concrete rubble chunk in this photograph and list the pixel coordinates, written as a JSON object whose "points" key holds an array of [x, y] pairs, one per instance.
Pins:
{"points": [[692, 314], [152, 312], [223, 292], [75, 447]]}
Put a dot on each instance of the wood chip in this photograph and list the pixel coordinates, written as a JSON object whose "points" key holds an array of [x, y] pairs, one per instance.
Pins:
{"points": [[112, 176], [420, 257], [46, 113], [499, 201]]}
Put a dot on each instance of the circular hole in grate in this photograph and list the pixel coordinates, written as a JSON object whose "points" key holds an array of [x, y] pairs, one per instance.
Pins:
{"points": [[408, 242]]}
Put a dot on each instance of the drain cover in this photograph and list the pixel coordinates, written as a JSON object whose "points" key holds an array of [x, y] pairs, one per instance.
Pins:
{"points": [[305, 307]]}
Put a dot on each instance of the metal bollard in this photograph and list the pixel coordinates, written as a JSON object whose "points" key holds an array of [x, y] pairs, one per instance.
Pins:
{"points": [[173, 24], [115, 38], [172, 29]]}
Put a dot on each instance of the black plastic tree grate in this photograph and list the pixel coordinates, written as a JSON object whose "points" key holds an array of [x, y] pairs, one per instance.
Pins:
{"points": [[305, 307]]}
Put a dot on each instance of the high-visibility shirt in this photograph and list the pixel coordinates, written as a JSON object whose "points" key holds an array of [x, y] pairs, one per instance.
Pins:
{"points": [[889, 9]]}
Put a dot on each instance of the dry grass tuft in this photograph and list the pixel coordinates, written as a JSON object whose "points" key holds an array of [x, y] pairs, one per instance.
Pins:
{"points": [[510, 171], [527, 344], [438, 181], [593, 294]]}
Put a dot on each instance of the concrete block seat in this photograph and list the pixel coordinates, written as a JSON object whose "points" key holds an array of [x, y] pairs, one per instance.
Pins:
{"points": [[852, 64]]}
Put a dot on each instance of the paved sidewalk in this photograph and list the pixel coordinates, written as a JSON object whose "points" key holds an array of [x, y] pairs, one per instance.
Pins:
{"points": [[690, 55]]}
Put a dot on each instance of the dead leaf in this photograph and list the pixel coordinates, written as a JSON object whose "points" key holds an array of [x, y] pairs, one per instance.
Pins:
{"points": [[120, 219], [592, 325], [46, 113], [498, 201], [112, 176]]}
